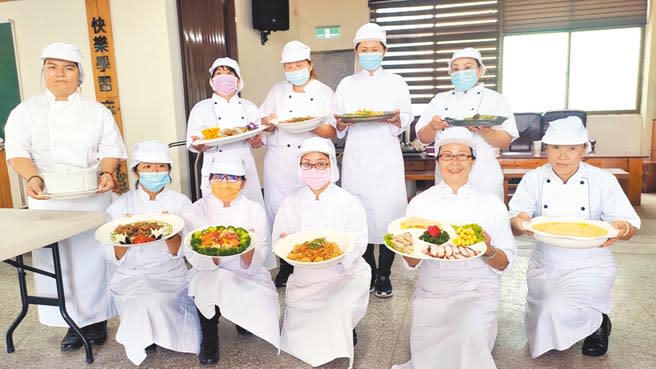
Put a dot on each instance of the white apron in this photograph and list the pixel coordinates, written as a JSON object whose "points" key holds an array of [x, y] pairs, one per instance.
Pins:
{"points": [[149, 286], [84, 270], [246, 297], [323, 306], [568, 289]]}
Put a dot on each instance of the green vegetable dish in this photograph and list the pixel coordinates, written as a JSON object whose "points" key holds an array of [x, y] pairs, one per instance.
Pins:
{"points": [[220, 241]]}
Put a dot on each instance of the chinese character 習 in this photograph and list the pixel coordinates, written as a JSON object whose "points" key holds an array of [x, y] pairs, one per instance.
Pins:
{"points": [[98, 25], [105, 83], [109, 104], [100, 44], [102, 63]]}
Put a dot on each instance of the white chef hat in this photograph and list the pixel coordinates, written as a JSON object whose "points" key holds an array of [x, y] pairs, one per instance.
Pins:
{"points": [[468, 52], [322, 145], [150, 152], [60, 50], [295, 51], [234, 166], [457, 135], [567, 131], [228, 62], [370, 32]]}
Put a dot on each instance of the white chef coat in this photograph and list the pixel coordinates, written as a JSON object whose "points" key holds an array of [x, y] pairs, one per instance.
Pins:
{"points": [[281, 159], [454, 310], [245, 296], [372, 166], [79, 133], [149, 285], [568, 289], [324, 305], [486, 174], [219, 112]]}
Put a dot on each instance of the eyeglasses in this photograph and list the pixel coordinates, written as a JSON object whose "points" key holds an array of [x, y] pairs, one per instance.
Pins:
{"points": [[320, 165], [225, 177], [447, 156]]}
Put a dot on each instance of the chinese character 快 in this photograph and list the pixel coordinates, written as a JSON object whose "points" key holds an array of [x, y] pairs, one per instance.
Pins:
{"points": [[98, 25]]}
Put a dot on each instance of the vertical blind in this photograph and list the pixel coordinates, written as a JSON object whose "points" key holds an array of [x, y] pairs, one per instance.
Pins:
{"points": [[422, 35], [521, 16]]}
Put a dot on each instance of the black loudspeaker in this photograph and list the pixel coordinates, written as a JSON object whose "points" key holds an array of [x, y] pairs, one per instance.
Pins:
{"points": [[271, 15]]}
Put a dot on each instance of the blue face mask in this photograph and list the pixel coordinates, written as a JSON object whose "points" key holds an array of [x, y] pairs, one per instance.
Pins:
{"points": [[153, 181], [463, 80], [298, 77], [370, 61]]}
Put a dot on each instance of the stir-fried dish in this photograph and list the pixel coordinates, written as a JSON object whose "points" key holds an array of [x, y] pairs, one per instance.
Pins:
{"points": [[220, 240], [217, 132], [140, 232], [314, 251], [363, 113], [298, 119]]}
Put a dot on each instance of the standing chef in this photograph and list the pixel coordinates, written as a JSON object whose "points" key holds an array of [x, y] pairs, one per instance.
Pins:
{"points": [[468, 99], [300, 95], [569, 290], [372, 167], [62, 130]]}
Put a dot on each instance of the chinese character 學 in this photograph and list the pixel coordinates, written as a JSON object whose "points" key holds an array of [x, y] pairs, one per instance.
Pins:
{"points": [[102, 63], [105, 83], [98, 25], [100, 44]]}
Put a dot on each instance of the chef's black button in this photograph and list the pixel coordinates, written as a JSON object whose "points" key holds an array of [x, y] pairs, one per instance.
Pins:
{"points": [[215, 103], [453, 93], [299, 146], [290, 96], [240, 103], [220, 150], [472, 109], [290, 111], [478, 93], [446, 108], [242, 117], [548, 181], [582, 208], [312, 99], [582, 182], [546, 206], [219, 118], [288, 145]]}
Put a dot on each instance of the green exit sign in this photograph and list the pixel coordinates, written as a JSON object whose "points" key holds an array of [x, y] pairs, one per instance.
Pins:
{"points": [[325, 32]]}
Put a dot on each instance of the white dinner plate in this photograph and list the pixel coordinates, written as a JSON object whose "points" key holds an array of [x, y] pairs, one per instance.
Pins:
{"points": [[302, 126], [345, 241], [189, 250], [419, 246], [70, 195], [230, 139], [571, 242], [104, 233]]}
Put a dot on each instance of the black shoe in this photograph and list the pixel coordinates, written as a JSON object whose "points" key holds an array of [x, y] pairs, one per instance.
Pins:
{"points": [[71, 341], [383, 287], [209, 353], [151, 349], [281, 278], [209, 346], [596, 344], [372, 284], [355, 338], [243, 331], [96, 333]]}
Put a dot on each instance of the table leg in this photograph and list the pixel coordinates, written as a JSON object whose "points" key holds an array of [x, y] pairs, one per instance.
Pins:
{"points": [[62, 302], [634, 181], [23, 294]]}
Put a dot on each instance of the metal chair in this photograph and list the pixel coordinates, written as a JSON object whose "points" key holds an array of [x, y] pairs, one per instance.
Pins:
{"points": [[529, 126], [550, 116]]}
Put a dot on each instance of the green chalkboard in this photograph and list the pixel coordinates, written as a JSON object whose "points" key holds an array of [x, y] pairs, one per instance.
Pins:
{"points": [[9, 90]]}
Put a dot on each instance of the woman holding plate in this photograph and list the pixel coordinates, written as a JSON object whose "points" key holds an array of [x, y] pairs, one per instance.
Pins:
{"points": [[56, 132], [323, 305], [569, 290], [225, 110], [238, 287], [300, 95], [373, 163], [149, 285], [454, 311], [469, 99]]}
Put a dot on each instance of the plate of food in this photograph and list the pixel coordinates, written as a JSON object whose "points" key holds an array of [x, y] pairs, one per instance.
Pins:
{"points": [[365, 115], [434, 240], [477, 120], [299, 124], [571, 232], [215, 136], [139, 229], [314, 249], [219, 241]]}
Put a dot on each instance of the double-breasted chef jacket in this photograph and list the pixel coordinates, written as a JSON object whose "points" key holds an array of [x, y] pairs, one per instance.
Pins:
{"points": [[78, 133], [569, 289]]}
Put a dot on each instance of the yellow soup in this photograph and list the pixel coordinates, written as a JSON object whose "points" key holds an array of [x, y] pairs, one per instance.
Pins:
{"points": [[571, 229]]}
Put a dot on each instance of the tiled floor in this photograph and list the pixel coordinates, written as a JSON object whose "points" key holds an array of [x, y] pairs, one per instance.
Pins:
{"points": [[383, 334]]}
